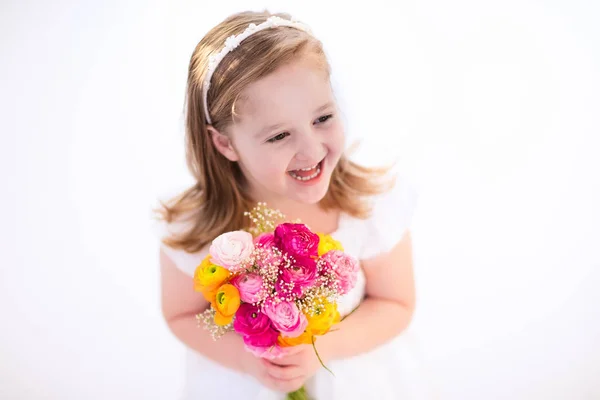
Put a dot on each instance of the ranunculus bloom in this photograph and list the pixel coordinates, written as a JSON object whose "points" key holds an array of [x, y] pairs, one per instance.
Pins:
{"points": [[267, 257], [227, 302], [286, 317], [250, 286], [265, 240], [296, 240], [327, 243], [254, 326], [343, 268], [304, 338], [208, 276], [230, 250], [298, 277], [325, 315]]}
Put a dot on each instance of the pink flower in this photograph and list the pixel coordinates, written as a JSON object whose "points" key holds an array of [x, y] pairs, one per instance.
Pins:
{"points": [[265, 240], [286, 317], [298, 277], [269, 353], [250, 286], [231, 249], [267, 255], [254, 326], [296, 240], [343, 268]]}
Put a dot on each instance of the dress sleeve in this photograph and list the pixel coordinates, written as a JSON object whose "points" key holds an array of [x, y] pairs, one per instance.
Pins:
{"points": [[391, 217], [186, 262]]}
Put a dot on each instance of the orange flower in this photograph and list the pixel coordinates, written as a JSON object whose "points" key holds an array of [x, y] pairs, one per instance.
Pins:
{"points": [[210, 296], [304, 338], [226, 303]]}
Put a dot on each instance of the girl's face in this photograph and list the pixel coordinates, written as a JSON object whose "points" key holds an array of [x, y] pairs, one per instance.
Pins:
{"points": [[288, 136]]}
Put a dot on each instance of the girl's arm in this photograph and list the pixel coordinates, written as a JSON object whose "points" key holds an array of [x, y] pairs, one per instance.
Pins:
{"points": [[180, 305], [386, 311]]}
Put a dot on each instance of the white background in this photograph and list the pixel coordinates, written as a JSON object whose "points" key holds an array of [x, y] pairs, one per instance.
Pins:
{"points": [[490, 107]]}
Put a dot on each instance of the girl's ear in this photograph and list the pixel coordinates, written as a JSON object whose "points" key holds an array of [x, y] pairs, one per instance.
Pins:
{"points": [[223, 144]]}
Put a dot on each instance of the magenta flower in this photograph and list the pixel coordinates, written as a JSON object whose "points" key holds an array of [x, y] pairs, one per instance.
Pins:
{"points": [[296, 240], [254, 326]]}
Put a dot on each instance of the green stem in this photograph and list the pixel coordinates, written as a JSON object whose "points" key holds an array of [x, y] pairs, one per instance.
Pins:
{"points": [[312, 338], [299, 394], [350, 313]]}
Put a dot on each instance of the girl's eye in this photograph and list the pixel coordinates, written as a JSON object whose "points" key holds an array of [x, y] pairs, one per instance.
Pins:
{"points": [[279, 137], [324, 118]]}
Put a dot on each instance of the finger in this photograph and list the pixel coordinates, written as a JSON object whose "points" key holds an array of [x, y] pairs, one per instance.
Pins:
{"points": [[288, 351], [286, 386], [292, 386], [294, 351], [297, 358], [284, 361], [268, 365], [284, 373]]}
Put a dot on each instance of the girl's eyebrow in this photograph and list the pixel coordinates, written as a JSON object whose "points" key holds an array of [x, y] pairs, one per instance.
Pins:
{"points": [[274, 127], [267, 129], [324, 107]]}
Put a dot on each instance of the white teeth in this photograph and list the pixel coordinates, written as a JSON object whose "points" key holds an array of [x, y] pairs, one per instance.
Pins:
{"points": [[308, 169], [316, 168], [306, 178]]}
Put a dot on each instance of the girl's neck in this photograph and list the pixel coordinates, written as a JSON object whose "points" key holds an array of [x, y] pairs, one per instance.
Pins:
{"points": [[315, 217]]}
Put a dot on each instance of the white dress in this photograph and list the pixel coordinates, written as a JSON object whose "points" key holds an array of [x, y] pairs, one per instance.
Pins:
{"points": [[393, 371]]}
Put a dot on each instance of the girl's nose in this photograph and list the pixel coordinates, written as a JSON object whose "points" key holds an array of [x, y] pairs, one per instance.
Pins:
{"points": [[311, 151]]}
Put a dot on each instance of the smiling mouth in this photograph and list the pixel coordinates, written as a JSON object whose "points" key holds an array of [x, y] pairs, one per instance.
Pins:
{"points": [[307, 174]]}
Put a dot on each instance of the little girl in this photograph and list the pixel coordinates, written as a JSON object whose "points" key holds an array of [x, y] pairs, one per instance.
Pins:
{"points": [[262, 124]]}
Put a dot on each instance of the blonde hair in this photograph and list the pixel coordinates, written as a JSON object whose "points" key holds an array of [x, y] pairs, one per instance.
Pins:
{"points": [[216, 202]]}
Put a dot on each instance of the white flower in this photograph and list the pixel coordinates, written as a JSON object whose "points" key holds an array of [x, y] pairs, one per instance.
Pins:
{"points": [[231, 249]]}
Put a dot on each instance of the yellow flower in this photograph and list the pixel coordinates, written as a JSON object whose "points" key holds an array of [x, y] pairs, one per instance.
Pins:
{"points": [[208, 276], [327, 243], [227, 302], [325, 316]]}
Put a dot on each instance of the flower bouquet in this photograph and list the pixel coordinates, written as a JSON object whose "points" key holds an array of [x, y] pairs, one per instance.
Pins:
{"points": [[275, 284]]}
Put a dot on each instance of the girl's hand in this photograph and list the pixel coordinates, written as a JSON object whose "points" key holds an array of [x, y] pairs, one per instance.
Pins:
{"points": [[279, 375], [298, 365]]}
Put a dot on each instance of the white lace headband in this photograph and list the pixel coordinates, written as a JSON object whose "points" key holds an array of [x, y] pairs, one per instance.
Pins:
{"points": [[234, 41]]}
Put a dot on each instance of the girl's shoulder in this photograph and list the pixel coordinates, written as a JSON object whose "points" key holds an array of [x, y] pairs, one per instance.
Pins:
{"points": [[185, 261], [391, 217]]}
